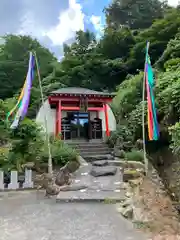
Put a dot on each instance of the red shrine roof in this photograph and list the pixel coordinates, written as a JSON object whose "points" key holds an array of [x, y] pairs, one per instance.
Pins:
{"points": [[75, 91]]}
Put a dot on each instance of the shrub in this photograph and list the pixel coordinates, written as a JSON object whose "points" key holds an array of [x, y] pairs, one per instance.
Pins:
{"points": [[26, 144], [134, 155], [61, 153], [174, 131], [4, 152], [29, 145], [121, 135]]}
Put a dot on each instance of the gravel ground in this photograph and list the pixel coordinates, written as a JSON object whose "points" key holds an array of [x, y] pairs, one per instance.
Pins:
{"points": [[27, 215]]}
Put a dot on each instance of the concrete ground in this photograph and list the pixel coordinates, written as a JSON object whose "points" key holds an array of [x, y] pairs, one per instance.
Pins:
{"points": [[28, 215]]}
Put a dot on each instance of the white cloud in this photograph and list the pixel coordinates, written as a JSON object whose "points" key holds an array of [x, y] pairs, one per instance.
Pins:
{"points": [[29, 26], [97, 22], [70, 21], [173, 2]]}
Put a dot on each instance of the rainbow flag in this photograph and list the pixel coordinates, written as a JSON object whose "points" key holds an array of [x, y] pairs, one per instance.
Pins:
{"points": [[24, 98], [153, 130]]}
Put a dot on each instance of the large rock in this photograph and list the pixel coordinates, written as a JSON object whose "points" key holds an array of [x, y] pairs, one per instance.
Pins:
{"points": [[100, 163], [43, 180], [72, 166], [103, 171], [126, 212], [52, 189], [131, 174], [127, 164], [46, 181], [63, 177]]}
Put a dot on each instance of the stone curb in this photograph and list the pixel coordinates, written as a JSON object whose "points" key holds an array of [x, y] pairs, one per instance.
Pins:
{"points": [[18, 190], [90, 200]]}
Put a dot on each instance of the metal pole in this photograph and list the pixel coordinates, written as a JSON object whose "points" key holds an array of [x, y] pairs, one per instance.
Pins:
{"points": [[50, 170], [143, 111]]}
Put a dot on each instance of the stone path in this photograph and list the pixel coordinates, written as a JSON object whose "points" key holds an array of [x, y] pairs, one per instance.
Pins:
{"points": [[86, 187], [27, 216]]}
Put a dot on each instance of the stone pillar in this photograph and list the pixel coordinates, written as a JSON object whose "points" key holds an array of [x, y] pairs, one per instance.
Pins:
{"points": [[1, 180], [14, 181], [28, 179], [106, 120], [58, 118]]}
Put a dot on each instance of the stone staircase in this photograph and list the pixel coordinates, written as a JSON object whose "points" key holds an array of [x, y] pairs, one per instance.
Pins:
{"points": [[97, 181], [92, 149]]}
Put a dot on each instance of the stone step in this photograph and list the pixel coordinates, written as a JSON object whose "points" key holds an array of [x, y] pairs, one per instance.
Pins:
{"points": [[98, 157], [92, 147], [99, 150], [85, 142], [91, 196], [98, 171], [91, 151], [87, 155], [89, 146]]}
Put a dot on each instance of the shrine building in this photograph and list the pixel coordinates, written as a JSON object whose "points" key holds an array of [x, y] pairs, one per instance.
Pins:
{"points": [[78, 113]]}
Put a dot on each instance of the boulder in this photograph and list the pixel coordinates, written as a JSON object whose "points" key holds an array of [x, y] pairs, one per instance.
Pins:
{"points": [[130, 174], [52, 189], [139, 144], [72, 166], [119, 153], [127, 164], [43, 180], [100, 163], [46, 181], [103, 171], [126, 212], [126, 203], [135, 182], [128, 194], [63, 177]]}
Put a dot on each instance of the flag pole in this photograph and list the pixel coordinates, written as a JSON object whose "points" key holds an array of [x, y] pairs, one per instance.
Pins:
{"points": [[143, 113], [50, 170]]}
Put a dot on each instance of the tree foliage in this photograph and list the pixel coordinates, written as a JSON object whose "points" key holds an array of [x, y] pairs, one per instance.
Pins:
{"points": [[136, 14], [114, 63]]}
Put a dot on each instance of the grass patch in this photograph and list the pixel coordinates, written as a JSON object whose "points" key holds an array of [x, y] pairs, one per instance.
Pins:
{"points": [[134, 155]]}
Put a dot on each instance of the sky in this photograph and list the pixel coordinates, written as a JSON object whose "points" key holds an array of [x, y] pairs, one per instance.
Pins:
{"points": [[53, 22]]}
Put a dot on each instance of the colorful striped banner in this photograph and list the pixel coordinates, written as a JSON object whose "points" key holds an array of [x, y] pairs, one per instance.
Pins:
{"points": [[24, 98], [153, 130]]}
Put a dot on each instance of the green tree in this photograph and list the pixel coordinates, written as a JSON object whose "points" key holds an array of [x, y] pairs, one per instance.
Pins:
{"points": [[171, 55], [14, 55], [159, 34], [117, 44], [136, 14]]}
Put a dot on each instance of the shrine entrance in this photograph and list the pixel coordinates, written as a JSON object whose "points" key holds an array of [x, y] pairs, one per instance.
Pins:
{"points": [[79, 113], [79, 125]]}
